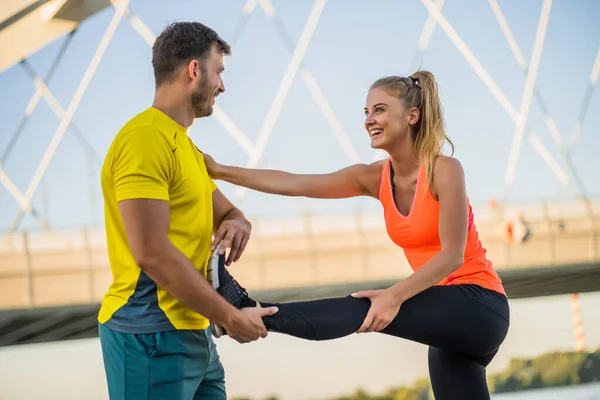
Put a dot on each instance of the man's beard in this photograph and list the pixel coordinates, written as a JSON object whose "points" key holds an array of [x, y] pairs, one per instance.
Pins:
{"points": [[201, 100]]}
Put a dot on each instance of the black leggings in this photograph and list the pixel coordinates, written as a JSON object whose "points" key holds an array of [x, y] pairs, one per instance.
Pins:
{"points": [[463, 325]]}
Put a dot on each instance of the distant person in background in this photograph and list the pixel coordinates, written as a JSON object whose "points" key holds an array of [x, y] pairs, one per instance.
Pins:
{"points": [[525, 229], [454, 302], [161, 210], [517, 229]]}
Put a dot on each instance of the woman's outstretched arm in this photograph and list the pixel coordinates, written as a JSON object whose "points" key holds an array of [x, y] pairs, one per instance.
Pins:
{"points": [[355, 180]]}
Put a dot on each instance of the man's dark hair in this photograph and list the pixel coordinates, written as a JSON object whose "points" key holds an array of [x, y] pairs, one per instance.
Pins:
{"points": [[182, 42]]}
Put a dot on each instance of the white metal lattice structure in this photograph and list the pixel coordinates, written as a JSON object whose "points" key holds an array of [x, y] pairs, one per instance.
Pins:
{"points": [[297, 67], [67, 115]]}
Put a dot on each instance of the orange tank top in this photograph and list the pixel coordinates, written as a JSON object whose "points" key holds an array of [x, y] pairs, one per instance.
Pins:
{"points": [[417, 234]]}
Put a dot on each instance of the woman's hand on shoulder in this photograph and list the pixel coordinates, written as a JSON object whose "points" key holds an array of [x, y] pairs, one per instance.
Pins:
{"points": [[212, 166]]}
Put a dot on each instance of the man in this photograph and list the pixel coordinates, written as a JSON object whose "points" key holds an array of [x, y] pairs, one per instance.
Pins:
{"points": [[160, 210]]}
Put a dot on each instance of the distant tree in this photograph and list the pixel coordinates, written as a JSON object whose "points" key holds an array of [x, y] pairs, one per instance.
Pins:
{"points": [[546, 370]]}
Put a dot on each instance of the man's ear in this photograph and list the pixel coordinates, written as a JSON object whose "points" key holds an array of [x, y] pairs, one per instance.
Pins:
{"points": [[193, 70]]}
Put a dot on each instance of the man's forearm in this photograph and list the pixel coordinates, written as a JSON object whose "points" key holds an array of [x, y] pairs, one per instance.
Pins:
{"points": [[176, 274], [233, 214]]}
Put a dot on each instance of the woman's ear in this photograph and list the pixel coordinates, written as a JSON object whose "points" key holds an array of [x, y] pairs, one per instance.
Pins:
{"points": [[413, 116]]}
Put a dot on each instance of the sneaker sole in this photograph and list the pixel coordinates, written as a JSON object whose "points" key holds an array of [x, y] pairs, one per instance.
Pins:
{"points": [[212, 272]]}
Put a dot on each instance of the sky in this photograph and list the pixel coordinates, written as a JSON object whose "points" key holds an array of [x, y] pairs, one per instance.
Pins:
{"points": [[353, 44]]}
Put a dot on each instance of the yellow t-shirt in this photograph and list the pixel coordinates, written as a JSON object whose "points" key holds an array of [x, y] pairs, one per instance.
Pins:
{"points": [[152, 157]]}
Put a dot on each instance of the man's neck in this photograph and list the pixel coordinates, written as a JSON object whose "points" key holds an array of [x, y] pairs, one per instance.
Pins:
{"points": [[169, 101]]}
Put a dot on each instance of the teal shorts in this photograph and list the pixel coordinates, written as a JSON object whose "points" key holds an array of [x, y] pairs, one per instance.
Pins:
{"points": [[174, 365]]}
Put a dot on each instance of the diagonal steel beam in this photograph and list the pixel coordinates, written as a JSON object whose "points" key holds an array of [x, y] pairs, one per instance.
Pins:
{"points": [[58, 110], [247, 10], [547, 117], [316, 93], [496, 91], [235, 132], [566, 150], [120, 7], [313, 86], [286, 82], [250, 6], [586, 103], [426, 34], [33, 102], [536, 55], [472, 60], [24, 202], [284, 86], [31, 105], [569, 150], [422, 44], [512, 43], [334, 123]]}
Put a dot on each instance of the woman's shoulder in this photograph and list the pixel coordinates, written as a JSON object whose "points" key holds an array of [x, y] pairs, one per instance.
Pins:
{"points": [[378, 165], [447, 167], [447, 172], [447, 162], [369, 176]]}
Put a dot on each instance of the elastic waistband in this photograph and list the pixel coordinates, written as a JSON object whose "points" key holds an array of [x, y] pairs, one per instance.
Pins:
{"points": [[495, 301]]}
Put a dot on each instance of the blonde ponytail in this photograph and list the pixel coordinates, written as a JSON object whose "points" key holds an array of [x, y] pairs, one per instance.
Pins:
{"points": [[421, 90]]}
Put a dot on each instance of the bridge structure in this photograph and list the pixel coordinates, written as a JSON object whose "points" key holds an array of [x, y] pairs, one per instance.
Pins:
{"points": [[51, 283], [51, 280]]}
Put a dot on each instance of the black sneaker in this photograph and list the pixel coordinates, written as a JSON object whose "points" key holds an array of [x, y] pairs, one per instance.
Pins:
{"points": [[222, 281]]}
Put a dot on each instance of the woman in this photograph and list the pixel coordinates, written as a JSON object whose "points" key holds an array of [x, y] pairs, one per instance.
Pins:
{"points": [[454, 302]]}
